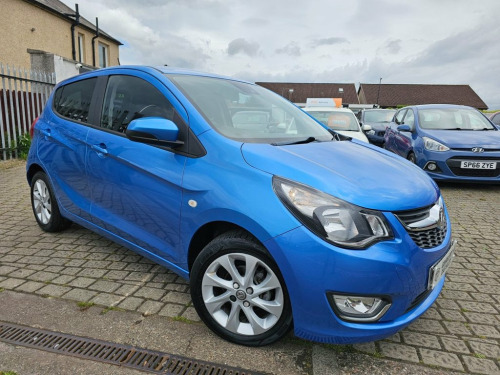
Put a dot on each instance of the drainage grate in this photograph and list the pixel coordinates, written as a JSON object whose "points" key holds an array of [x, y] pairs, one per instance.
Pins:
{"points": [[109, 352]]}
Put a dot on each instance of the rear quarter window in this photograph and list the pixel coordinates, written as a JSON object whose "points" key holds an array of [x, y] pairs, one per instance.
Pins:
{"points": [[73, 100]]}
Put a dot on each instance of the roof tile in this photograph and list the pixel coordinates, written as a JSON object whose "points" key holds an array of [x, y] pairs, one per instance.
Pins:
{"points": [[302, 91], [393, 95]]}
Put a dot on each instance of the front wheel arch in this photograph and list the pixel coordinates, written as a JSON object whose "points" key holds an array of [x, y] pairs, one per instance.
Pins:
{"points": [[206, 233], [223, 304], [412, 157]]}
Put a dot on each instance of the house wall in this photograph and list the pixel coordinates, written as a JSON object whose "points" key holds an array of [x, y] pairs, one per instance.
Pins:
{"points": [[26, 26]]}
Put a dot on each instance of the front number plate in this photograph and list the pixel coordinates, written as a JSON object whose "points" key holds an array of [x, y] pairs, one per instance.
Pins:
{"points": [[478, 164], [438, 269]]}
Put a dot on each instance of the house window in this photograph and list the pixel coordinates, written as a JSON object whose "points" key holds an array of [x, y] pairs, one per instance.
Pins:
{"points": [[103, 55], [81, 51]]}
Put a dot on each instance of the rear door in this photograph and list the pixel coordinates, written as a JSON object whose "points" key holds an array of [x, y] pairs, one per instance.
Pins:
{"points": [[62, 148], [135, 187]]}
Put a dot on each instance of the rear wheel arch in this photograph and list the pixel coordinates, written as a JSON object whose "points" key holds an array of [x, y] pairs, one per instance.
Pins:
{"points": [[33, 169]]}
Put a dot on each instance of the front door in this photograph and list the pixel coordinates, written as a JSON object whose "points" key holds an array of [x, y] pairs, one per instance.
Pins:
{"points": [[136, 188]]}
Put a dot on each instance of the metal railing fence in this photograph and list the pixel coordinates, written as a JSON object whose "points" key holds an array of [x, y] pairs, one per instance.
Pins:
{"points": [[23, 94]]}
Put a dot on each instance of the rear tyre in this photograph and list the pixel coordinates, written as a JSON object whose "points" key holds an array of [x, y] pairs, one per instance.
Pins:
{"points": [[411, 157], [238, 291], [44, 205]]}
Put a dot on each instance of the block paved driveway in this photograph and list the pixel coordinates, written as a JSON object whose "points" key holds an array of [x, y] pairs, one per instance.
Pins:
{"points": [[460, 332]]}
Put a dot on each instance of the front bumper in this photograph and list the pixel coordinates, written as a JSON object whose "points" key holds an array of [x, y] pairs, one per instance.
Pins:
{"points": [[449, 166], [377, 138], [395, 269]]}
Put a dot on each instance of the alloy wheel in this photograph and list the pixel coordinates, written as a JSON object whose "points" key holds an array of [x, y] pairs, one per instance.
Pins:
{"points": [[242, 294], [41, 202]]}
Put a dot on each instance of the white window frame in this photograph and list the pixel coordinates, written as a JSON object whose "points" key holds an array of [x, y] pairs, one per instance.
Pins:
{"points": [[103, 48], [81, 48]]}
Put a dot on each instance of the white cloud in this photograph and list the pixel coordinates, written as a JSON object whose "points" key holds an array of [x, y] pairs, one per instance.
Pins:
{"points": [[450, 41]]}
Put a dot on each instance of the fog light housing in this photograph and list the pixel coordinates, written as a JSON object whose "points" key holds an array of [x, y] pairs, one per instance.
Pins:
{"points": [[431, 166], [360, 309]]}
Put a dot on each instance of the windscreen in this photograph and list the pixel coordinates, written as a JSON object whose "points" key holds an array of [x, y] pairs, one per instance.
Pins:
{"points": [[452, 119], [336, 120], [378, 116], [246, 112]]}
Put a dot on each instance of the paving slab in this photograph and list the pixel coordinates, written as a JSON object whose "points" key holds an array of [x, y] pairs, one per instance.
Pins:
{"points": [[460, 332]]}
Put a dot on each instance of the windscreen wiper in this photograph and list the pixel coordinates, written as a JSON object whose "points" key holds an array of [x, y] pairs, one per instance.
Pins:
{"points": [[301, 141]]}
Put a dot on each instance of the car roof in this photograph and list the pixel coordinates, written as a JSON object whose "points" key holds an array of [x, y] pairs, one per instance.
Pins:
{"points": [[332, 109], [378, 109], [438, 106], [155, 69]]}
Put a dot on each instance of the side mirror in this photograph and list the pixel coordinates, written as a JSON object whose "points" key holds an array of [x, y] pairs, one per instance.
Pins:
{"points": [[404, 128], [155, 131], [366, 128]]}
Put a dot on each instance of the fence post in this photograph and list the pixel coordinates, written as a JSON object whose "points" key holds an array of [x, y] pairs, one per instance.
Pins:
{"points": [[5, 135], [13, 140]]}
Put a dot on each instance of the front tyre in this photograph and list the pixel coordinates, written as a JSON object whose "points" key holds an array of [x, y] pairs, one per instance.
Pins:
{"points": [[412, 158], [238, 291], [44, 205]]}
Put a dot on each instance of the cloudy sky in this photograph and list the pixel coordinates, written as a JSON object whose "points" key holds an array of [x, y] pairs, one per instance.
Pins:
{"points": [[425, 41]]}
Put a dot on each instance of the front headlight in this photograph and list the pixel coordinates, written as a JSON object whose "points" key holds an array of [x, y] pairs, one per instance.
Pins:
{"points": [[432, 145], [332, 219]]}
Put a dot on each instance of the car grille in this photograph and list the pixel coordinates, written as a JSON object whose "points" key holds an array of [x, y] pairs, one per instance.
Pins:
{"points": [[454, 165], [423, 238], [429, 238]]}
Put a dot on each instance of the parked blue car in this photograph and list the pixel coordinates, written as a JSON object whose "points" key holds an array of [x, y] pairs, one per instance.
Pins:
{"points": [[275, 220], [450, 142]]}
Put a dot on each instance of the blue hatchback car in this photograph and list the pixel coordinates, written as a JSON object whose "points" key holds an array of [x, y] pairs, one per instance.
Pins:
{"points": [[450, 142], [275, 220]]}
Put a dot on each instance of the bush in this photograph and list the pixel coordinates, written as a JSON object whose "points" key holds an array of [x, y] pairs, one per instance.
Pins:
{"points": [[23, 145]]}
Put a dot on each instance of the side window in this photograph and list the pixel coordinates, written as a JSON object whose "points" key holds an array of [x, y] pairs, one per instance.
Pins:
{"points": [[128, 98], [73, 100], [399, 116], [409, 118]]}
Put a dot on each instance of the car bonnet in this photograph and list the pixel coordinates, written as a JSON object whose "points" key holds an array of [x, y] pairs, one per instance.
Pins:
{"points": [[347, 170], [466, 138]]}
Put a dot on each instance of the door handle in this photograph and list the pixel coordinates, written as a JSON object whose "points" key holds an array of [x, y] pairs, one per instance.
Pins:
{"points": [[100, 149], [46, 133]]}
